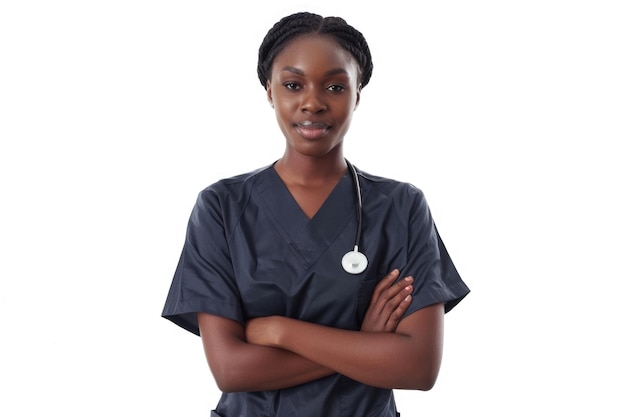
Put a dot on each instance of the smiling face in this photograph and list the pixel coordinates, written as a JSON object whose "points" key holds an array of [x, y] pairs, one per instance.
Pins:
{"points": [[314, 89]]}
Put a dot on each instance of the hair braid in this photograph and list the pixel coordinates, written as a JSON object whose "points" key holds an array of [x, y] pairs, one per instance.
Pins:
{"points": [[298, 24]]}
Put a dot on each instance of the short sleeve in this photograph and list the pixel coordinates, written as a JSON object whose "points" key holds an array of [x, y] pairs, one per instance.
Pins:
{"points": [[204, 279], [436, 279]]}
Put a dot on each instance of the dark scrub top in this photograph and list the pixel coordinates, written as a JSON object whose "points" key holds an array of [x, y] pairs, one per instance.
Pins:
{"points": [[250, 251]]}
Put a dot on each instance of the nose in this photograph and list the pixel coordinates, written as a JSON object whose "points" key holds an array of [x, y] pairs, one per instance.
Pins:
{"points": [[313, 101]]}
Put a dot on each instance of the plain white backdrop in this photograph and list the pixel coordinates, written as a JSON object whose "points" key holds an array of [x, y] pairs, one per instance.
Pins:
{"points": [[510, 115]]}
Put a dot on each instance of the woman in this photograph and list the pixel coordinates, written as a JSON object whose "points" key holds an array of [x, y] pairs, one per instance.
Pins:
{"points": [[290, 327]]}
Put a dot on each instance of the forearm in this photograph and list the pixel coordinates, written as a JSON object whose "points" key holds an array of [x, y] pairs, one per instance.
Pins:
{"points": [[240, 366], [378, 359], [260, 368], [408, 359]]}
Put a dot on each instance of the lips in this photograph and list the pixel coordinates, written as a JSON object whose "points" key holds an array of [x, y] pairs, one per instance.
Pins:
{"points": [[312, 130]]}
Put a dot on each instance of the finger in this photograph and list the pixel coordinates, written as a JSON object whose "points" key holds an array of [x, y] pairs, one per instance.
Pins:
{"points": [[389, 293], [396, 299], [397, 314], [383, 286], [396, 307], [399, 294], [386, 282], [382, 314], [401, 284]]}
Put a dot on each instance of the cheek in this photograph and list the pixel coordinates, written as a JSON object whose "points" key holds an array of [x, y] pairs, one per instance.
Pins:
{"points": [[283, 117], [283, 112], [348, 111], [285, 103]]}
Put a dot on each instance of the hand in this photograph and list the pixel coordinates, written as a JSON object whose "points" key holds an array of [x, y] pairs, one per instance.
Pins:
{"points": [[389, 302]]}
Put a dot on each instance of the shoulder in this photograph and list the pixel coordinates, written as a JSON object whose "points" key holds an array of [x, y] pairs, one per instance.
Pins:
{"points": [[385, 196], [398, 191], [224, 200], [233, 188]]}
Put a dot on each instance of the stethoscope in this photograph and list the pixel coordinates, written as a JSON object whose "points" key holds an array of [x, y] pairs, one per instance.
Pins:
{"points": [[355, 262]]}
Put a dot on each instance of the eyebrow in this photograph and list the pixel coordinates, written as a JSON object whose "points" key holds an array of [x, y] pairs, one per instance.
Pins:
{"points": [[328, 73]]}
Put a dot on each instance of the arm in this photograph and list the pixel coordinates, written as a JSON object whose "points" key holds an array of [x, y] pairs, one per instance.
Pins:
{"points": [[410, 358], [238, 365]]}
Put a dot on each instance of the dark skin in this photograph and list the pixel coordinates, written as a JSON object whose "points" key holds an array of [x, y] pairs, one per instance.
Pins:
{"points": [[239, 364], [314, 89]]}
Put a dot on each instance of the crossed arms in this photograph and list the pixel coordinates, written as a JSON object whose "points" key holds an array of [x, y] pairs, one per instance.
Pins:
{"points": [[277, 352]]}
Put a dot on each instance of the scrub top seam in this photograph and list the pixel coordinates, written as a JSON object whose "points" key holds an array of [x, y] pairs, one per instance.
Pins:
{"points": [[245, 204]]}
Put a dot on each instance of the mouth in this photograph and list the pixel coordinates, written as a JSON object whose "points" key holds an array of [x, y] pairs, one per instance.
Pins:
{"points": [[311, 130]]}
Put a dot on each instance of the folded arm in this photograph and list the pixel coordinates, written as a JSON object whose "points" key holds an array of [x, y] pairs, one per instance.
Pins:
{"points": [[409, 358], [238, 364]]}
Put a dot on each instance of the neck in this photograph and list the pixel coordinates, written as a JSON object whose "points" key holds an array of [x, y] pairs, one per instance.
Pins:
{"points": [[305, 170]]}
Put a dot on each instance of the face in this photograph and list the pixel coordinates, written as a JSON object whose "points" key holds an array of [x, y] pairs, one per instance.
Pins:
{"points": [[314, 90]]}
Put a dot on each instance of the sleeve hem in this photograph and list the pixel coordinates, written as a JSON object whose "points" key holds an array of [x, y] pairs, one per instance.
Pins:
{"points": [[185, 315]]}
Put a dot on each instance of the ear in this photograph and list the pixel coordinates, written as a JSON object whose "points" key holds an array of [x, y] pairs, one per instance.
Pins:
{"points": [[268, 89], [358, 97]]}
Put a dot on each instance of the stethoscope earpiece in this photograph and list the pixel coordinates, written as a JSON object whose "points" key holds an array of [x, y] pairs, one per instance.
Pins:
{"points": [[355, 262]]}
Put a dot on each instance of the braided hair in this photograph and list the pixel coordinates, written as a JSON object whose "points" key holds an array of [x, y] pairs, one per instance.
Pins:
{"points": [[304, 23]]}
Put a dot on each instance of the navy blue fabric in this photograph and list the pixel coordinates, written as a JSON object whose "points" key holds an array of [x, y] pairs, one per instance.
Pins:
{"points": [[250, 251]]}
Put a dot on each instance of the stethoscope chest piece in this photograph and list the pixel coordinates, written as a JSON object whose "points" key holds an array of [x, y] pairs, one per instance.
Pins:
{"points": [[354, 262]]}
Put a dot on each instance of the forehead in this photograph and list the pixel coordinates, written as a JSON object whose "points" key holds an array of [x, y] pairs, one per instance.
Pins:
{"points": [[315, 51]]}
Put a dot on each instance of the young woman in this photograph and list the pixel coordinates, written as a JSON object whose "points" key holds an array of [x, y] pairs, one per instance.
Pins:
{"points": [[291, 326]]}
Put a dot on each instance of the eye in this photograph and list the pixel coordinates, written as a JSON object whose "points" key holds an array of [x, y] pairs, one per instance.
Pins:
{"points": [[292, 86], [336, 88]]}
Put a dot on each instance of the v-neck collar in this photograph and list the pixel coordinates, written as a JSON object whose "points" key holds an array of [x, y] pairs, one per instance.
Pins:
{"points": [[308, 237]]}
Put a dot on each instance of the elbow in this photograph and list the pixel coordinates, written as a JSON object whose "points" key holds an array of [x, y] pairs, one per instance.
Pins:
{"points": [[428, 375], [227, 380], [224, 384], [422, 376], [226, 387], [225, 376], [426, 370], [420, 382], [430, 372], [427, 384]]}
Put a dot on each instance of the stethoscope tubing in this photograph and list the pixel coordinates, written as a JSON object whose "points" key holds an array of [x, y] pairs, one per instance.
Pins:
{"points": [[355, 262], [359, 203]]}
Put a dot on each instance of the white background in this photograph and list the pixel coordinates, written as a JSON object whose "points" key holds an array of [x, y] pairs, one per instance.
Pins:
{"points": [[510, 116]]}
